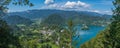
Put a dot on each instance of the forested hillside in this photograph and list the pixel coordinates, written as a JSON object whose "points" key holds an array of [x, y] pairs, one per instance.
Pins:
{"points": [[79, 17], [100, 41], [14, 20], [110, 37]]}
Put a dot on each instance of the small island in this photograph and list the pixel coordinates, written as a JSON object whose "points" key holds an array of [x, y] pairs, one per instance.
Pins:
{"points": [[84, 27]]}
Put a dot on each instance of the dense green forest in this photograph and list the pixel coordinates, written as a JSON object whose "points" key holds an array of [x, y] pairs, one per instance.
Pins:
{"points": [[55, 30], [14, 20]]}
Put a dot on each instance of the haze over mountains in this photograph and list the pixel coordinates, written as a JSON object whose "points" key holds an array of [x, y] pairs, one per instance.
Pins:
{"points": [[79, 17], [32, 14]]}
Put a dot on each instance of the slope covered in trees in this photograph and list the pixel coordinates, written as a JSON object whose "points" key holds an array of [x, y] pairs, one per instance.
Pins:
{"points": [[15, 19], [100, 41], [110, 37], [54, 19]]}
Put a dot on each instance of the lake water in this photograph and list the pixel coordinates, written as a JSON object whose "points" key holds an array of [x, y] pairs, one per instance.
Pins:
{"points": [[86, 35]]}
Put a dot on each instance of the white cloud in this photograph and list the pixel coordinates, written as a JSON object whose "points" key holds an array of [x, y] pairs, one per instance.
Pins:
{"points": [[102, 12], [53, 6], [77, 4], [108, 12], [67, 5], [49, 1], [97, 11]]}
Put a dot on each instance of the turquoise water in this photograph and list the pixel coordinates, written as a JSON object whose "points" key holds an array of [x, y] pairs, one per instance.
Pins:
{"points": [[86, 35]]}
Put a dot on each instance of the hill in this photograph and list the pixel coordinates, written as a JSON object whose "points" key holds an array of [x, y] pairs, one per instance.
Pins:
{"points": [[16, 19], [32, 14], [54, 19], [100, 41], [79, 17]]}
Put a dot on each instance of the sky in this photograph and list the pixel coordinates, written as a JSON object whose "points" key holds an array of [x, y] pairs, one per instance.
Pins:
{"points": [[99, 6]]}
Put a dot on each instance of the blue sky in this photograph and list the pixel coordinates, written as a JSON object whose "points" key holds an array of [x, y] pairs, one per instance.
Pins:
{"points": [[99, 6]]}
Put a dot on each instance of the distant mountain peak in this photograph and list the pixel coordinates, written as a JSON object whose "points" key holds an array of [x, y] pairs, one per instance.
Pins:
{"points": [[41, 13]]}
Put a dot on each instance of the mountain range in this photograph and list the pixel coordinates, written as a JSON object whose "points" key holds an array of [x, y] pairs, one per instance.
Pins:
{"points": [[79, 17], [33, 14]]}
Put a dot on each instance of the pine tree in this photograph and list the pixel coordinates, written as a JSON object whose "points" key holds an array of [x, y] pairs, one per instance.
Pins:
{"points": [[73, 33], [113, 37], [7, 40]]}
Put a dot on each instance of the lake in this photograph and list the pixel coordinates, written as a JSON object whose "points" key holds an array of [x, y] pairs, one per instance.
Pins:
{"points": [[86, 35]]}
